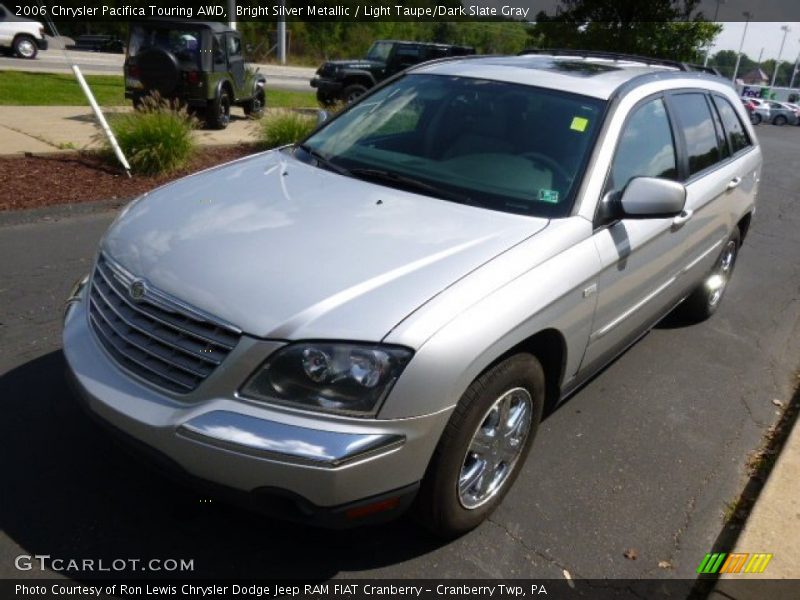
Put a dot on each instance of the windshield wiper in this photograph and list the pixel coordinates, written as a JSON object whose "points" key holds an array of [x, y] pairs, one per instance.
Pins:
{"points": [[322, 160], [404, 181]]}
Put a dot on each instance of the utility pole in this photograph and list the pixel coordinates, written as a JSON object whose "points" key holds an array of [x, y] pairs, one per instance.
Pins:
{"points": [[747, 16], [282, 35], [794, 71], [786, 29], [232, 14], [708, 48]]}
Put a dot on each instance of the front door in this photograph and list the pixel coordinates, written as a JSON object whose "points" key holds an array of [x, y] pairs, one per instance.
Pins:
{"points": [[640, 258]]}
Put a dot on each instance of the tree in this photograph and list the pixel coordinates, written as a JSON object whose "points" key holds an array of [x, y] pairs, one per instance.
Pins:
{"points": [[657, 28], [725, 63]]}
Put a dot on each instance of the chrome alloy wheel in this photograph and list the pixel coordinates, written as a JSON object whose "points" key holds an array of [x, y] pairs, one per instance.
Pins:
{"points": [[722, 274], [495, 448], [26, 48]]}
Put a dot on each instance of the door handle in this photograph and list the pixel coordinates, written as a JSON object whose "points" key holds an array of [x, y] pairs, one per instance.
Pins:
{"points": [[682, 218], [734, 183]]}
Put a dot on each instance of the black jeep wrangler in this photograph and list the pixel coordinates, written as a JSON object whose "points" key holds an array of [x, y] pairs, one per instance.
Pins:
{"points": [[197, 63], [348, 79]]}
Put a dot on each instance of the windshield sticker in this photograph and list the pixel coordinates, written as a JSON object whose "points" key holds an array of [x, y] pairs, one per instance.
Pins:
{"points": [[550, 196], [579, 124]]}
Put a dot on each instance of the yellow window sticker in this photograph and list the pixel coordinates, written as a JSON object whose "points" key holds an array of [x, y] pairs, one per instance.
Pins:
{"points": [[579, 123]]}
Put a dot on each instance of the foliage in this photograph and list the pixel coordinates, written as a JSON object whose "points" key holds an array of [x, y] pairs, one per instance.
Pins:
{"points": [[280, 127], [657, 28], [156, 139], [725, 62]]}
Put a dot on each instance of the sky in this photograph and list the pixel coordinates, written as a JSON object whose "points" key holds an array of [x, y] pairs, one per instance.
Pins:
{"points": [[759, 35]]}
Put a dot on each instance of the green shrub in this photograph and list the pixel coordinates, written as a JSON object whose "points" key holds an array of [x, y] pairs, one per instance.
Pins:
{"points": [[156, 139], [279, 127]]}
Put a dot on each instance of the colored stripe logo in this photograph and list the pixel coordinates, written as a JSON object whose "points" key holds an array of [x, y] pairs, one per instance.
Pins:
{"points": [[735, 562]]}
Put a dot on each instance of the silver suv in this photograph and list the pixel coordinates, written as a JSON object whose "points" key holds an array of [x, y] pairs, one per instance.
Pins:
{"points": [[379, 316]]}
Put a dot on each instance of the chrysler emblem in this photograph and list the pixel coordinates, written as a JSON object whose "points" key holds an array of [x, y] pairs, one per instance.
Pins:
{"points": [[137, 290]]}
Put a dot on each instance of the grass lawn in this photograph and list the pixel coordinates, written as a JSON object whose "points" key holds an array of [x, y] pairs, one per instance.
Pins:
{"points": [[20, 88]]}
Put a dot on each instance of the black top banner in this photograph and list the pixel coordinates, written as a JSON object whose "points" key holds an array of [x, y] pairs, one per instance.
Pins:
{"points": [[395, 10]]}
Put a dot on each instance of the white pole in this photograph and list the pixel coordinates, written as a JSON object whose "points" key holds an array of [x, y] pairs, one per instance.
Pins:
{"points": [[93, 103], [786, 29], [232, 14], [282, 36], [747, 15], [101, 119]]}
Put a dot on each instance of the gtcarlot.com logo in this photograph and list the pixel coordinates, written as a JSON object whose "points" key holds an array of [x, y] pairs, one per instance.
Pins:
{"points": [[45, 562]]}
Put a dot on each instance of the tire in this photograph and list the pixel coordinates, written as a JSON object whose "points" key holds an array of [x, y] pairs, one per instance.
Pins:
{"points": [[219, 111], [706, 298], [455, 495], [352, 92], [137, 103], [755, 118], [24, 46], [325, 100], [780, 121], [255, 108]]}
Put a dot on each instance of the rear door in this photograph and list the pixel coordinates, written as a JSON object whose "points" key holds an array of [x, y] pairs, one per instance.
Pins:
{"points": [[718, 176], [641, 258]]}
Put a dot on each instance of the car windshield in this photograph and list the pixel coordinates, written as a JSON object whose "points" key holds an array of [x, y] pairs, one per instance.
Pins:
{"points": [[502, 146], [379, 51], [183, 43]]}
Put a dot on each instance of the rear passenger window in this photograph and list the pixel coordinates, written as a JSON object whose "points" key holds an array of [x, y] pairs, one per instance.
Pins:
{"points": [[737, 134], [646, 148], [697, 126]]}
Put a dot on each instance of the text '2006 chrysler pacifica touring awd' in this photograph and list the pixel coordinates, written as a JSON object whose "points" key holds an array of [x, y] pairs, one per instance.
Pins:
{"points": [[377, 318]]}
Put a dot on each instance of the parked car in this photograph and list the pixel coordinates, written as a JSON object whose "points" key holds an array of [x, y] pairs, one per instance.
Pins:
{"points": [[21, 36], [346, 80], [781, 114], [379, 316], [794, 108], [761, 108], [200, 64], [750, 107], [99, 43]]}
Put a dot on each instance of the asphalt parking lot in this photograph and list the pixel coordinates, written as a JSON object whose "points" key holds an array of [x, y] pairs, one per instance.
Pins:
{"points": [[644, 458]]}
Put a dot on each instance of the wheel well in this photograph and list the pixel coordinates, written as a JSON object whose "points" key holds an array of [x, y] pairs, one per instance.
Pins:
{"points": [[744, 225], [22, 35], [550, 349], [226, 86]]}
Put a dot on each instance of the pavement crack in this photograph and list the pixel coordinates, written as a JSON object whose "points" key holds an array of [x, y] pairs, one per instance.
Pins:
{"points": [[543, 555]]}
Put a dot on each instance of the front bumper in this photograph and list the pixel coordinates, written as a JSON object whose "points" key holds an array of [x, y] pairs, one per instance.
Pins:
{"points": [[41, 43], [324, 466]]}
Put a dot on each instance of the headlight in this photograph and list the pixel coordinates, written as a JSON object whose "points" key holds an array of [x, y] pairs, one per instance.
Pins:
{"points": [[335, 377]]}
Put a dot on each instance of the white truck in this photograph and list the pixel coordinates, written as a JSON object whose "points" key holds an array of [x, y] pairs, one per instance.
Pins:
{"points": [[22, 36]]}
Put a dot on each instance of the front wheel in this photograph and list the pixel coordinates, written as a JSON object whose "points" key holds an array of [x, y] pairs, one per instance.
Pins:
{"points": [[483, 447], [706, 298], [755, 118], [25, 46], [354, 91], [219, 111]]}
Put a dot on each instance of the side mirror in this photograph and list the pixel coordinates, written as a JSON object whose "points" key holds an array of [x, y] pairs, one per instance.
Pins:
{"points": [[322, 116], [652, 197]]}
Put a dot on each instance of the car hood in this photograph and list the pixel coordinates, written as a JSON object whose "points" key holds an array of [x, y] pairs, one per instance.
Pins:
{"points": [[283, 249], [359, 63]]}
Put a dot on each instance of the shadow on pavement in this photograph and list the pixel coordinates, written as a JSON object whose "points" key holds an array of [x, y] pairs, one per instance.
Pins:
{"points": [[69, 491]]}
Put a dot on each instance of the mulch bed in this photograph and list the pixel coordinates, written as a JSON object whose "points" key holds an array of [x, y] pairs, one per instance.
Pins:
{"points": [[35, 181]]}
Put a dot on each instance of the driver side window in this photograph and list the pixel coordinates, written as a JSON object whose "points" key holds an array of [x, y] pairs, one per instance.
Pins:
{"points": [[646, 147]]}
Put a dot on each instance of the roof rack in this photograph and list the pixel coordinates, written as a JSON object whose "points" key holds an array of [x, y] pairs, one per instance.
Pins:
{"points": [[663, 62]]}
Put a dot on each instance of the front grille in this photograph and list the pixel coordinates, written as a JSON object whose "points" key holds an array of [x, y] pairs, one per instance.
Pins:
{"points": [[155, 336]]}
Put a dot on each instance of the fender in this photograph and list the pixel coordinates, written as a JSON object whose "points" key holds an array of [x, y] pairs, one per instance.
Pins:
{"points": [[218, 88], [358, 73]]}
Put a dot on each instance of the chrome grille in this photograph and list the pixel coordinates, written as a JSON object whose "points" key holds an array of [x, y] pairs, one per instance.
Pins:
{"points": [[156, 337]]}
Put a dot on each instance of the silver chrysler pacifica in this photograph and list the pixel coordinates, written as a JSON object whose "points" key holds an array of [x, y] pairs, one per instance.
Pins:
{"points": [[376, 318]]}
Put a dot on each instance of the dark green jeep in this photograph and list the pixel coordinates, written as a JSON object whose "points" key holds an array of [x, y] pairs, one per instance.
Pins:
{"points": [[198, 63], [348, 79]]}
